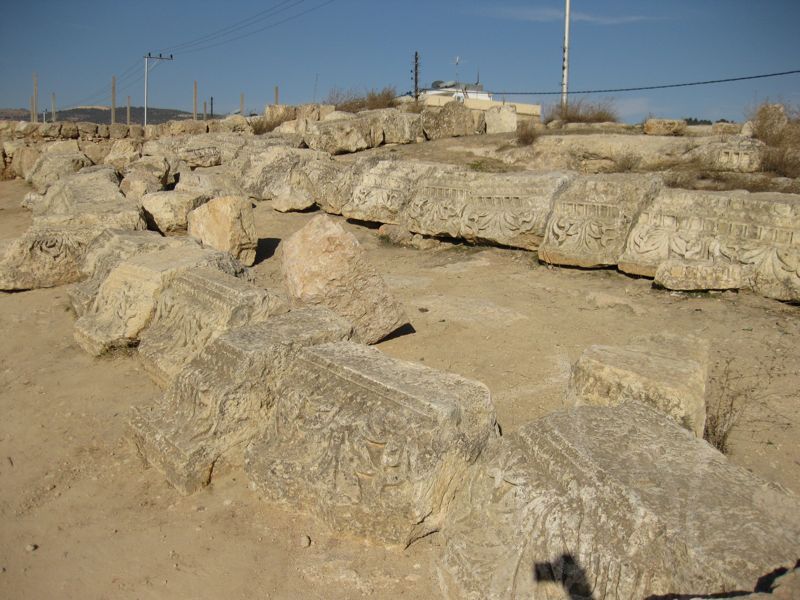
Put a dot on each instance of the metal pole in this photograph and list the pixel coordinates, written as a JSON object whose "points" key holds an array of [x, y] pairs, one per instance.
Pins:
{"points": [[128, 115], [35, 98], [194, 104], [113, 99], [565, 62], [205, 106], [53, 108], [212, 107], [416, 76], [146, 58]]}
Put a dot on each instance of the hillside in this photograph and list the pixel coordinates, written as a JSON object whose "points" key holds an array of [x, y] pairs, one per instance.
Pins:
{"points": [[95, 114]]}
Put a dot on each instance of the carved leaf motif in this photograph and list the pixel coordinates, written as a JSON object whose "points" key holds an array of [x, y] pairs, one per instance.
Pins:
{"points": [[585, 234]]}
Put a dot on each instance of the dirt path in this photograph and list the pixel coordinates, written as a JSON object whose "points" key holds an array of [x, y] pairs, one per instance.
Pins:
{"points": [[106, 527]]}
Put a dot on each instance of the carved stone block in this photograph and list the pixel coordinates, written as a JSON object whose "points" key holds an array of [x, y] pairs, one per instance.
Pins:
{"points": [[759, 231], [193, 310], [375, 446], [591, 218], [666, 372], [221, 399], [108, 250], [612, 503], [127, 298], [676, 274]]}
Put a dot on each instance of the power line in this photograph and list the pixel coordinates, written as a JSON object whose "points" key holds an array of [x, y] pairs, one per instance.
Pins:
{"points": [[653, 87]]}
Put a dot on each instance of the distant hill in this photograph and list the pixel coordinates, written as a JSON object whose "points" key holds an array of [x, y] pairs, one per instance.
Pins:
{"points": [[99, 114]]}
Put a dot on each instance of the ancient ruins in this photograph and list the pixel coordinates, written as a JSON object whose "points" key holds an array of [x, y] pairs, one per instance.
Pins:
{"points": [[616, 495]]}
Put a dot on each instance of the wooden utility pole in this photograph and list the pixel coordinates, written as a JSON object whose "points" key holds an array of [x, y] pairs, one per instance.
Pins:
{"points": [[204, 110], [53, 108], [241, 104], [35, 109], [33, 113], [113, 99], [128, 119], [212, 107], [194, 103], [277, 95]]}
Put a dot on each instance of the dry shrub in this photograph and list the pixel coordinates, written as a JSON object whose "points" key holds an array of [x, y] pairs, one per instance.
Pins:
{"points": [[580, 111], [264, 125], [627, 163], [778, 126], [354, 101], [526, 134]]}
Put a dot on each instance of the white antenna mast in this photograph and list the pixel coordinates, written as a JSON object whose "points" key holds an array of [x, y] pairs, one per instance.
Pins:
{"points": [[565, 62]]}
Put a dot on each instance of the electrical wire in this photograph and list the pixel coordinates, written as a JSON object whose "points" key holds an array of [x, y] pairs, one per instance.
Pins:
{"points": [[651, 87]]}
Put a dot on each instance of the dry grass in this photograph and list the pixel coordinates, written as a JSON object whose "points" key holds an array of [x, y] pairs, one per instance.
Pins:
{"points": [[778, 126], [264, 125], [526, 134], [580, 111], [354, 101], [627, 163]]}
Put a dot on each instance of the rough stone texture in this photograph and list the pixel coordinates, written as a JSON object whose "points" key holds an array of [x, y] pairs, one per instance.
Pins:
{"points": [[122, 154], [147, 175], [503, 208], [341, 137], [108, 250], [193, 310], [126, 300], [759, 231], [501, 119], [86, 130], [91, 187], [221, 399], [95, 151], [726, 128], [25, 157], [284, 175], [666, 372], [453, 120], [664, 127], [322, 264], [676, 274], [52, 166], [612, 502], [187, 126], [211, 182], [169, 210], [375, 446], [592, 216], [117, 131], [226, 224], [208, 156], [738, 154]]}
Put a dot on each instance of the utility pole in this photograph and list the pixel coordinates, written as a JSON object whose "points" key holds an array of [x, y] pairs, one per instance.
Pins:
{"points": [[416, 76], [194, 104], [204, 109], [35, 118], [53, 108], [113, 99], [565, 61], [128, 118], [241, 104], [212, 107], [148, 58], [278, 95]]}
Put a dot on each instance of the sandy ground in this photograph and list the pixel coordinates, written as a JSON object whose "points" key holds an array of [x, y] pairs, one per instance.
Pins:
{"points": [[82, 518]]}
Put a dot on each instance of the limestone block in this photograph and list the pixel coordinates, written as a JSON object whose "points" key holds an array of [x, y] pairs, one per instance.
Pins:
{"points": [[211, 182], [612, 503], [208, 156], [342, 136], [25, 158], [95, 151], [758, 231], [322, 264], [222, 398], [452, 120], [392, 126], [127, 299], [52, 166], [50, 130], [235, 123], [103, 131], [187, 126], [283, 174], [117, 131], [722, 128], [666, 372], [86, 130], [501, 119], [373, 445], [136, 132], [147, 175], [226, 224], [592, 216], [677, 274], [123, 153], [26, 129], [108, 250], [91, 188], [280, 112], [504, 208], [664, 127], [169, 210], [314, 112], [193, 310], [338, 115], [44, 256]]}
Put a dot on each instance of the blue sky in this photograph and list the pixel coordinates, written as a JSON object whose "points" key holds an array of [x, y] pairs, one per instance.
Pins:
{"points": [[75, 46]]}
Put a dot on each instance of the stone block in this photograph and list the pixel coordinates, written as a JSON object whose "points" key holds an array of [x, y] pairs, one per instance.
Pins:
{"points": [[207, 156], [452, 120], [212, 182], [375, 446], [501, 119], [592, 216], [117, 131], [127, 299], [666, 372], [169, 210], [226, 224], [193, 310], [322, 264], [664, 127], [612, 503], [222, 398], [123, 153], [683, 275], [726, 128], [52, 166]]}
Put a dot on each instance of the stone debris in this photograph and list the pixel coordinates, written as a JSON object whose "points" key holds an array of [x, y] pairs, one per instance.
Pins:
{"points": [[452, 120], [193, 310], [169, 211], [226, 224], [322, 264], [107, 251], [127, 299], [221, 399], [591, 217], [758, 231], [664, 127], [367, 129], [667, 372], [375, 446], [611, 502]]}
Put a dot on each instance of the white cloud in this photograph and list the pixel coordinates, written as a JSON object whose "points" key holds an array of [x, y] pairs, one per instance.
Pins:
{"points": [[544, 15]]}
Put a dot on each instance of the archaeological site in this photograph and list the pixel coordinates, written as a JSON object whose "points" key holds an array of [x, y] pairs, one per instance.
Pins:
{"points": [[398, 353]]}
